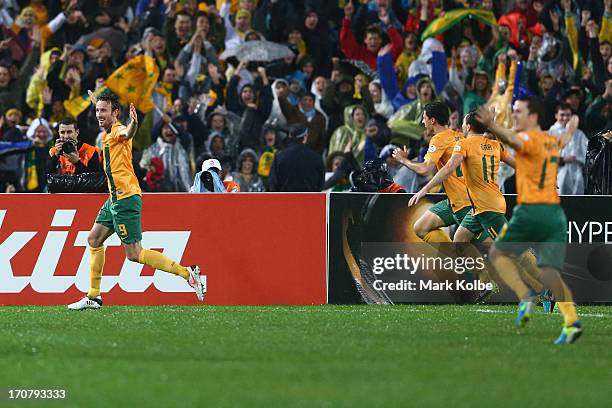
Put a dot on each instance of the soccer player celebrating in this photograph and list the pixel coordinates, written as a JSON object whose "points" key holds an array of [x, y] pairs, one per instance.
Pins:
{"points": [[121, 212], [446, 212], [479, 158], [538, 217]]}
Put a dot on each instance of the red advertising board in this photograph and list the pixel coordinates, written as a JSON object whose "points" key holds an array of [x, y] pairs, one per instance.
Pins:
{"points": [[253, 249]]}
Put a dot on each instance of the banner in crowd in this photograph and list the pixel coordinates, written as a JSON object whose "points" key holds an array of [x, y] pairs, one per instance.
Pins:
{"points": [[376, 257], [253, 248]]}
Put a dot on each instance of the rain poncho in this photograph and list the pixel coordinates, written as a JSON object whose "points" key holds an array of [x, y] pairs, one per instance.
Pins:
{"points": [[570, 179], [349, 134]]}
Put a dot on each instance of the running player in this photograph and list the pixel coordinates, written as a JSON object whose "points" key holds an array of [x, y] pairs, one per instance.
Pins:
{"points": [[457, 206], [538, 217], [120, 213]]}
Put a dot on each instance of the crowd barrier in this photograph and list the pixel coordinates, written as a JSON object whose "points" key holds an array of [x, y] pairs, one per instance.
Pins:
{"points": [[268, 248], [253, 248]]}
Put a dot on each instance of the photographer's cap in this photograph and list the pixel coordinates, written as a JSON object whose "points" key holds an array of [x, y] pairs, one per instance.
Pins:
{"points": [[211, 163]]}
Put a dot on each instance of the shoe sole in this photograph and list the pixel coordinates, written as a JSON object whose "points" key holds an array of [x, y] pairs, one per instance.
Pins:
{"points": [[200, 288]]}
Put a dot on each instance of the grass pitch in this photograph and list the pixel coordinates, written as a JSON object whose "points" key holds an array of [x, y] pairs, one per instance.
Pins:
{"points": [[323, 356]]}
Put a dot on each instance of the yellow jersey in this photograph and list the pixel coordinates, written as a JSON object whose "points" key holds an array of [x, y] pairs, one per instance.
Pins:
{"points": [[117, 154], [480, 167], [537, 162], [440, 151]]}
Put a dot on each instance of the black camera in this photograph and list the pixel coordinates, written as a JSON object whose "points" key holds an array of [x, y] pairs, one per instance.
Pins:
{"points": [[69, 146]]}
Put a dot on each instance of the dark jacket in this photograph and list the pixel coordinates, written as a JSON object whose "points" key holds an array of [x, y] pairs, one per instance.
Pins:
{"points": [[316, 127], [297, 168], [598, 166]]}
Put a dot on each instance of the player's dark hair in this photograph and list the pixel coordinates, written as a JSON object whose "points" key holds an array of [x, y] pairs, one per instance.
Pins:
{"points": [[476, 126], [438, 110], [534, 105], [67, 121], [112, 99]]}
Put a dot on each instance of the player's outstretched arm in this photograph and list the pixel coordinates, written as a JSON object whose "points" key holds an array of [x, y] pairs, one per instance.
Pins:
{"points": [[425, 168], [443, 174], [133, 125], [507, 136]]}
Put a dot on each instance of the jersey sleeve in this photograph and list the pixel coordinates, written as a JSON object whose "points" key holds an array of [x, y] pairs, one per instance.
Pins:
{"points": [[435, 151], [461, 148], [120, 132], [529, 146]]}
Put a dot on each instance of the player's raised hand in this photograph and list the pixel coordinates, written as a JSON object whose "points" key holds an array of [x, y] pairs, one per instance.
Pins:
{"points": [[416, 198], [92, 97], [400, 155], [484, 116], [133, 114]]}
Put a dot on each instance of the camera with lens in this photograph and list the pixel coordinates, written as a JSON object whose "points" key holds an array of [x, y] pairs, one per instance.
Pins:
{"points": [[69, 146]]}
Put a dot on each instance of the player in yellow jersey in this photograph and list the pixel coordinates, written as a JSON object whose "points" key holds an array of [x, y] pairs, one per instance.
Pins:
{"points": [[120, 213], [457, 206], [538, 217], [479, 158]]}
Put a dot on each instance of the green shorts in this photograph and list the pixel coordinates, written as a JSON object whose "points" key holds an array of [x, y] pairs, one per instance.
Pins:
{"points": [[486, 224], [541, 226], [123, 217], [443, 210]]}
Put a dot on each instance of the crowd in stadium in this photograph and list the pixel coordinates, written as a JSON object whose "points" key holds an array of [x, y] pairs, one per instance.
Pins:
{"points": [[352, 89]]}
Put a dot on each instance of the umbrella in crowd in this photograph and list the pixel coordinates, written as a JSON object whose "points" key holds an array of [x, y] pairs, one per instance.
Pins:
{"points": [[258, 51], [114, 37], [353, 67]]}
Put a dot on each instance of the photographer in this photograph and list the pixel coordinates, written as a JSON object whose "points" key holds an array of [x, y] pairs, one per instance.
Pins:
{"points": [[71, 156]]}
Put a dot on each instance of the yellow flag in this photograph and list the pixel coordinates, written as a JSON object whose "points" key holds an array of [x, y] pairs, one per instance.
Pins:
{"points": [[134, 81]]}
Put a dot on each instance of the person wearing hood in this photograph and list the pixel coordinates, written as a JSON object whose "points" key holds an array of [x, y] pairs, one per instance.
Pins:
{"points": [[339, 94], [306, 114], [270, 145], [177, 171], [373, 38], [316, 37], [406, 123], [253, 111], [279, 88], [218, 126], [382, 107], [352, 134], [34, 178], [246, 173], [297, 167]]}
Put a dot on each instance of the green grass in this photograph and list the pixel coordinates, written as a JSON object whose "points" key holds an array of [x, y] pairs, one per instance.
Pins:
{"points": [[327, 356]]}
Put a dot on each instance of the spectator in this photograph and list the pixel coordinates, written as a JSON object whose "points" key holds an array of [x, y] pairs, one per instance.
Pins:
{"points": [[246, 173], [36, 161], [352, 133], [373, 38], [570, 179], [306, 114], [297, 167], [176, 164]]}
